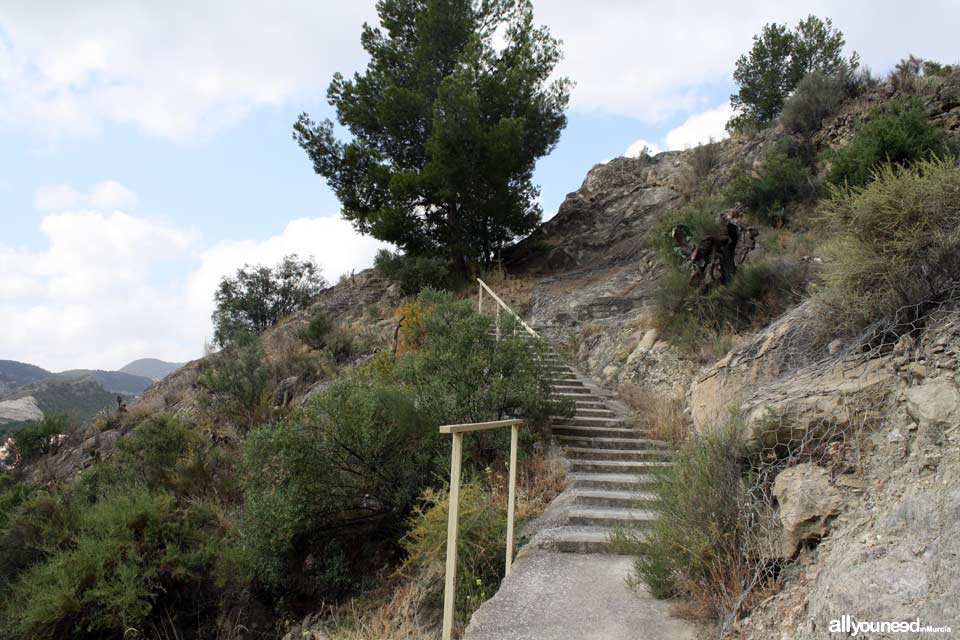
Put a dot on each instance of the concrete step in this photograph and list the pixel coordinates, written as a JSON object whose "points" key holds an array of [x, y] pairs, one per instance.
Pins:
{"points": [[590, 421], [569, 389], [589, 453], [590, 404], [579, 439], [571, 382], [572, 539], [561, 375], [613, 481], [609, 517], [594, 412], [617, 466], [620, 499], [594, 432]]}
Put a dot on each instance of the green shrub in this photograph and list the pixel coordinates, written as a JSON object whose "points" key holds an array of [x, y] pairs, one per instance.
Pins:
{"points": [[698, 543], [321, 333], [784, 179], [236, 380], [899, 134], [412, 273], [700, 219], [36, 439], [352, 463], [760, 292], [480, 549], [132, 551], [131, 540], [316, 332], [817, 97], [896, 244]]}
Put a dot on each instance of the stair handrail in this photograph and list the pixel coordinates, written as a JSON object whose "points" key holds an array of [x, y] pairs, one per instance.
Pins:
{"points": [[500, 305], [456, 457]]}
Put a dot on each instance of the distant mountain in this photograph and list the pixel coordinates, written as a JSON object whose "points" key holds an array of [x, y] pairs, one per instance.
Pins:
{"points": [[15, 374], [79, 398], [152, 368], [113, 381]]}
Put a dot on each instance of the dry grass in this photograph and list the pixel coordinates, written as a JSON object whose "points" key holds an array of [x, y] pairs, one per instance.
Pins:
{"points": [[402, 609], [659, 414]]}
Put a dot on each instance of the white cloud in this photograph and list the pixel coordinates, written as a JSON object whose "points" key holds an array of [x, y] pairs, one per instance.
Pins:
{"points": [[181, 69], [178, 69], [700, 128], [56, 197], [109, 287], [637, 148], [652, 60], [112, 195], [105, 195]]}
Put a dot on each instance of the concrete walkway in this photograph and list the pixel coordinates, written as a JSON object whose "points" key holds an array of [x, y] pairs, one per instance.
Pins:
{"points": [[567, 584], [567, 596]]}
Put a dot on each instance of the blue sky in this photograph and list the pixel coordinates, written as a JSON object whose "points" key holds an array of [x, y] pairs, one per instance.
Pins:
{"points": [[147, 147]]}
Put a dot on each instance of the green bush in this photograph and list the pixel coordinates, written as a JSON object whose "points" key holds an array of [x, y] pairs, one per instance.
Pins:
{"points": [[760, 292], [352, 464], [698, 542], [700, 219], [412, 273], [899, 134], [480, 549], [353, 461], [132, 550], [321, 333], [817, 97], [784, 181], [236, 380], [131, 540], [895, 244], [35, 439]]}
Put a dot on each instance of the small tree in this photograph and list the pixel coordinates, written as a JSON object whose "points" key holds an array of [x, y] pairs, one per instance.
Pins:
{"points": [[258, 297], [446, 126], [777, 62]]}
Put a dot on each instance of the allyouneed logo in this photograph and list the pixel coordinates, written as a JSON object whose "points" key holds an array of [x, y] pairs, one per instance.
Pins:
{"points": [[848, 625]]}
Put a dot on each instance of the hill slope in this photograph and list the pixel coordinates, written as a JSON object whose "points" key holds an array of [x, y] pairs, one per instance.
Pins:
{"points": [[151, 368], [112, 381], [16, 374]]}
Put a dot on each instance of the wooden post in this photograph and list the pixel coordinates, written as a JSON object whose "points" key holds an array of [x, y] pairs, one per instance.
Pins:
{"points": [[512, 499], [498, 322], [480, 300], [450, 586]]}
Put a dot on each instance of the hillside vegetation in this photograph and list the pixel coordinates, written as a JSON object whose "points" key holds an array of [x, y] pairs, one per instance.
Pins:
{"points": [[780, 307]]}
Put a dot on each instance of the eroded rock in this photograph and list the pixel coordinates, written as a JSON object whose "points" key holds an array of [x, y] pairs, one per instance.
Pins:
{"points": [[808, 502]]}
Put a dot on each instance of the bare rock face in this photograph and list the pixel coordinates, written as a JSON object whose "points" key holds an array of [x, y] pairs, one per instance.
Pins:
{"points": [[20, 410], [808, 502], [935, 403]]}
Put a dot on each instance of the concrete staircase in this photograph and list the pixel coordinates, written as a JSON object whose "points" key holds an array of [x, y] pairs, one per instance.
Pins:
{"points": [[610, 465], [568, 583]]}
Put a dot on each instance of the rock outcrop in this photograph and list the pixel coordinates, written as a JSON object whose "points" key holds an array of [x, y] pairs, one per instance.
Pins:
{"points": [[20, 410], [807, 503]]}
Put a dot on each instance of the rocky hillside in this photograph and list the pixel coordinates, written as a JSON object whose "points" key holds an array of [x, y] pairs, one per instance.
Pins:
{"points": [[868, 426], [871, 423]]}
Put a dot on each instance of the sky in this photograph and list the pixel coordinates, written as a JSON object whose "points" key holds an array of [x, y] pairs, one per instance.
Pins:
{"points": [[147, 146]]}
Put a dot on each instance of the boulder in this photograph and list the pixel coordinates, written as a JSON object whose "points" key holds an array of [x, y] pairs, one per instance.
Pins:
{"points": [[935, 403], [808, 502]]}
